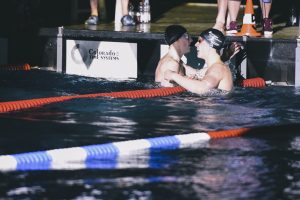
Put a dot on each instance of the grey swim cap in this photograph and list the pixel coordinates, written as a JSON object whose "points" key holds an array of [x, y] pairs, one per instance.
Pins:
{"points": [[214, 38], [173, 33]]}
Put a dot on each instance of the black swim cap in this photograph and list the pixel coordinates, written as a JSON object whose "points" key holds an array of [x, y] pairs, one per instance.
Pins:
{"points": [[173, 33], [214, 38]]}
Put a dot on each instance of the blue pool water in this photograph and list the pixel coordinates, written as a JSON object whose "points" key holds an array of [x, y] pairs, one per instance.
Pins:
{"points": [[264, 166]]}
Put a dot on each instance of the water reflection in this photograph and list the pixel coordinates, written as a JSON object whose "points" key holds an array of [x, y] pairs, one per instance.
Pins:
{"points": [[233, 168]]}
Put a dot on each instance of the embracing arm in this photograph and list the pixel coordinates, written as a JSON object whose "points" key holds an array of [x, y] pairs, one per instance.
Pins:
{"points": [[165, 64], [210, 81], [189, 71]]}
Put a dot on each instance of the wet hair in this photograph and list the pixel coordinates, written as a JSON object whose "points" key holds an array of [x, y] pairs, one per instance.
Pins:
{"points": [[173, 33], [214, 38]]}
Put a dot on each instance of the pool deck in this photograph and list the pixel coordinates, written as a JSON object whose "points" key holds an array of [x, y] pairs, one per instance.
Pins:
{"points": [[196, 17], [271, 58]]}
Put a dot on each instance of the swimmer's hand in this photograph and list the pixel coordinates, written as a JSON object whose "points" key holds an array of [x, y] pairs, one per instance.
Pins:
{"points": [[231, 50], [235, 48], [168, 75], [190, 71]]}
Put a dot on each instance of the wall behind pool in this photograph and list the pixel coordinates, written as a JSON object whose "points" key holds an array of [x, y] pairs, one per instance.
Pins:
{"points": [[21, 21]]}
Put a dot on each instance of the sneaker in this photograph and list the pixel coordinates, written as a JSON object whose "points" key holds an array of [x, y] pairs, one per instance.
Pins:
{"points": [[267, 27], [127, 20], [233, 28], [92, 20]]}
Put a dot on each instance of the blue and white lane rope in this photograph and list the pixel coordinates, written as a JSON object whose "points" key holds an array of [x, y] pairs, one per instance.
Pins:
{"points": [[62, 158], [69, 156]]}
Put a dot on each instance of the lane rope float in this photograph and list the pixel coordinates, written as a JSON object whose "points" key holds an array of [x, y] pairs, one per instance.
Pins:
{"points": [[30, 103], [23, 67], [257, 82], [59, 157], [148, 93]]}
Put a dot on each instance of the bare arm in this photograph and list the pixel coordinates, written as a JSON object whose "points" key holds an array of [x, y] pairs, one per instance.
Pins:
{"points": [[165, 64], [211, 80], [189, 71]]}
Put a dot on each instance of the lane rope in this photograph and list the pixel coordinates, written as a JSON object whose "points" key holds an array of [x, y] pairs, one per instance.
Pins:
{"points": [[147, 93], [63, 157], [30, 103], [23, 67], [257, 82]]}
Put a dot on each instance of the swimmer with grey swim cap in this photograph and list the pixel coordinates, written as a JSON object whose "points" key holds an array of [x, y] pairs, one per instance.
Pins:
{"points": [[214, 38], [214, 75]]}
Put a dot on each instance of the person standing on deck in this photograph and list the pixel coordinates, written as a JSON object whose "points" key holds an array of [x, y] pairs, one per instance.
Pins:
{"points": [[229, 8], [266, 20], [233, 8], [126, 20]]}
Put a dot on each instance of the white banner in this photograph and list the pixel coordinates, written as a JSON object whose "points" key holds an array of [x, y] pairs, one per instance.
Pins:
{"points": [[163, 50], [117, 60]]}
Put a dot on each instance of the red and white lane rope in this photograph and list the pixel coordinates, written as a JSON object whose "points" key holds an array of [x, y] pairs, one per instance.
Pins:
{"points": [[31, 103]]}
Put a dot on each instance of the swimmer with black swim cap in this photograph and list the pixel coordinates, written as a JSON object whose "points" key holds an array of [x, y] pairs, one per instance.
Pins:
{"points": [[179, 41], [215, 74]]}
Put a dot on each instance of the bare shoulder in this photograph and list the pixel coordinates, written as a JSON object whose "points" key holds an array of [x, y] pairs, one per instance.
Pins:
{"points": [[218, 70], [218, 67], [169, 63], [165, 63]]}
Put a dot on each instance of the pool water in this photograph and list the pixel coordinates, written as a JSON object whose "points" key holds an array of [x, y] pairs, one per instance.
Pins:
{"points": [[256, 167]]}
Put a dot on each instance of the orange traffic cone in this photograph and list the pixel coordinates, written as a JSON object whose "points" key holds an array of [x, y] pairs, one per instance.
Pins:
{"points": [[248, 27]]}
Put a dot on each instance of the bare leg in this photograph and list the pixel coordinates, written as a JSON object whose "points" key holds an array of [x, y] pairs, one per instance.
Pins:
{"points": [[125, 7], [228, 20], [220, 20], [93, 19], [267, 22], [233, 9], [266, 8], [126, 20], [94, 7]]}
